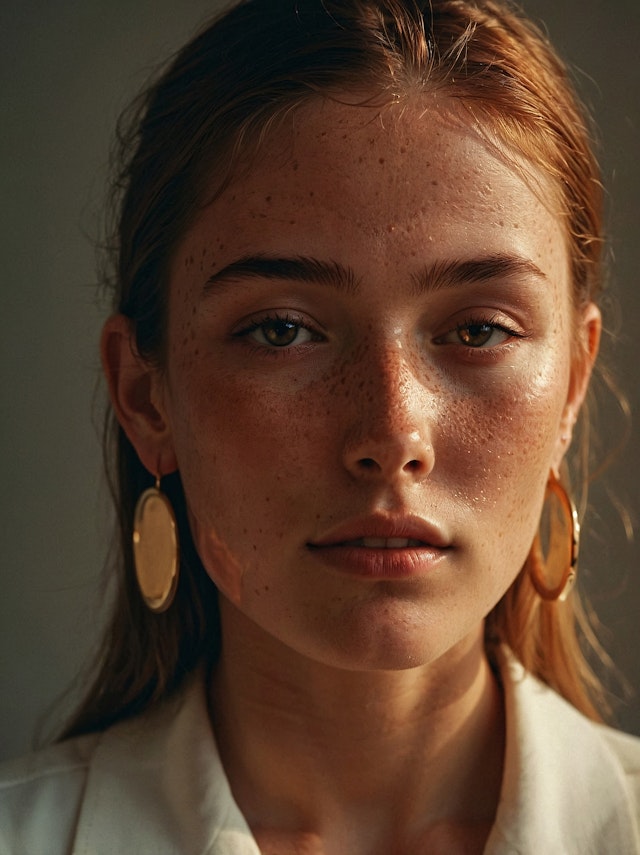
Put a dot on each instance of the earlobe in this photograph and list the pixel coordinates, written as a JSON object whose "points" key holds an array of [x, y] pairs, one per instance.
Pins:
{"points": [[586, 350], [136, 392]]}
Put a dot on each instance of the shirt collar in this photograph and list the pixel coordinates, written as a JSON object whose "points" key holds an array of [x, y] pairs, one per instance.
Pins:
{"points": [[156, 783], [563, 789]]}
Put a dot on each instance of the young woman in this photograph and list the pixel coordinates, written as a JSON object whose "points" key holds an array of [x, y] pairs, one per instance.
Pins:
{"points": [[356, 284]]}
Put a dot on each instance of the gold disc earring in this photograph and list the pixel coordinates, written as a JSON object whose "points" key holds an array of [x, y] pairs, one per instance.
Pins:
{"points": [[155, 548], [553, 560]]}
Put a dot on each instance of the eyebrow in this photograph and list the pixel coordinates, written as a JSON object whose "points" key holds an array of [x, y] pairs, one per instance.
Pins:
{"points": [[432, 277], [296, 268], [447, 274]]}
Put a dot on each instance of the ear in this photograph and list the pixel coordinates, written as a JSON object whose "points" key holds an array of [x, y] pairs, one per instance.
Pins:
{"points": [[137, 392], [588, 331]]}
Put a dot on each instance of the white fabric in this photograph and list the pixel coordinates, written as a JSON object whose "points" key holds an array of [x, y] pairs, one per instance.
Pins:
{"points": [[156, 785]]}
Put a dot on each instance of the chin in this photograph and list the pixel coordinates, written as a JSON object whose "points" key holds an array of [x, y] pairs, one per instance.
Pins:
{"points": [[398, 644]]}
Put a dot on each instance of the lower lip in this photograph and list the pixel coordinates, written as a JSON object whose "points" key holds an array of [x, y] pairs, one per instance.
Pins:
{"points": [[365, 562]]}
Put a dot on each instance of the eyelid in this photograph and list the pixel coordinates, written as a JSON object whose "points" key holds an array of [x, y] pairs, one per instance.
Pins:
{"points": [[480, 318], [260, 319]]}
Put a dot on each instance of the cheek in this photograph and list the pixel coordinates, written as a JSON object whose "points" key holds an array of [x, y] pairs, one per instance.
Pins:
{"points": [[246, 449], [498, 451]]}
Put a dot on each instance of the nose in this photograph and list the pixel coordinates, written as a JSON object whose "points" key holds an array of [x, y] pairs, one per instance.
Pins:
{"points": [[391, 436]]}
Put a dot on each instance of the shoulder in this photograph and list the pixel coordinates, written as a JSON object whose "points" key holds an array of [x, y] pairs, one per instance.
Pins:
{"points": [[626, 749], [570, 785], [153, 783], [47, 788]]}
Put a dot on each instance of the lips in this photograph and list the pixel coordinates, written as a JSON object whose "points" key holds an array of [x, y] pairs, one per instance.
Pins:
{"points": [[385, 532], [380, 547]]}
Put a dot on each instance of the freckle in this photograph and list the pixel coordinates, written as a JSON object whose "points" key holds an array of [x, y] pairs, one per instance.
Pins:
{"points": [[360, 159], [295, 165], [311, 193], [403, 149], [434, 183], [267, 198], [381, 160], [292, 222]]}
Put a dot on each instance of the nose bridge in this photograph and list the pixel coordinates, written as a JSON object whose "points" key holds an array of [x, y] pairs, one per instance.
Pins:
{"points": [[391, 432]]}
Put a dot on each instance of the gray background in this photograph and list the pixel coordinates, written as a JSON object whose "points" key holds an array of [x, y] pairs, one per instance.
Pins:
{"points": [[67, 71]]}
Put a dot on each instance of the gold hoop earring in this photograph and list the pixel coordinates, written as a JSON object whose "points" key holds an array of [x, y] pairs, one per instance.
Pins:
{"points": [[553, 574], [155, 548]]}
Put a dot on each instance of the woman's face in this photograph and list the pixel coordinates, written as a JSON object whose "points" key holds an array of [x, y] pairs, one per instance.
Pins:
{"points": [[368, 378]]}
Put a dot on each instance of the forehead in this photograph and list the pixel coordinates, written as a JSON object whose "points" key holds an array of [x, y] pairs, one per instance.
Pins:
{"points": [[417, 171]]}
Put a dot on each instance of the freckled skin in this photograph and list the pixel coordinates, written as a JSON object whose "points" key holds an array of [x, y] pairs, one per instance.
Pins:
{"points": [[266, 443]]}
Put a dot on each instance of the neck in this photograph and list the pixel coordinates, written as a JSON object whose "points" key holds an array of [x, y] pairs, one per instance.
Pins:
{"points": [[306, 745]]}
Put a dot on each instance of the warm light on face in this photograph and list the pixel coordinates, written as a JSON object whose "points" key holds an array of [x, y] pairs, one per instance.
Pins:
{"points": [[369, 366]]}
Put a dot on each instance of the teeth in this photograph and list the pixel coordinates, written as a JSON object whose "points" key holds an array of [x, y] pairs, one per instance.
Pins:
{"points": [[381, 542], [385, 542]]}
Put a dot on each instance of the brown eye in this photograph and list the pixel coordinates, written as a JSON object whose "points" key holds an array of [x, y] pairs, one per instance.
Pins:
{"points": [[476, 335], [279, 333], [484, 333]]}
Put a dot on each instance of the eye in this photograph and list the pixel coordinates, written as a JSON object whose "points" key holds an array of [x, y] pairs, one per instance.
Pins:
{"points": [[479, 333], [278, 331]]}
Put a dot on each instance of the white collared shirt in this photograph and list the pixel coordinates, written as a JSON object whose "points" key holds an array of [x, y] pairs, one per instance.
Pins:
{"points": [[156, 785]]}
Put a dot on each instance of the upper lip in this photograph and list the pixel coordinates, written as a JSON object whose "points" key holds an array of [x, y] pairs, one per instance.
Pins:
{"points": [[384, 526]]}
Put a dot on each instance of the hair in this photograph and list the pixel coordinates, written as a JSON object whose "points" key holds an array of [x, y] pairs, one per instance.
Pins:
{"points": [[205, 115]]}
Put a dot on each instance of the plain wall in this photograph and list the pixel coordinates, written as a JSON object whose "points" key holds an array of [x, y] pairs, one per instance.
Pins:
{"points": [[67, 71]]}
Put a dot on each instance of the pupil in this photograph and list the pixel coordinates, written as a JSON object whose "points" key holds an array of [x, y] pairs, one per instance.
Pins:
{"points": [[476, 334], [281, 333]]}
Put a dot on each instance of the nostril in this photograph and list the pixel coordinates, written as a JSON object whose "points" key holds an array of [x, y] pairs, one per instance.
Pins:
{"points": [[368, 463], [413, 466]]}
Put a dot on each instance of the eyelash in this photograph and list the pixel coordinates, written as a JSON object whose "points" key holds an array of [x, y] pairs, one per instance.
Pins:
{"points": [[297, 324], [479, 322], [285, 319]]}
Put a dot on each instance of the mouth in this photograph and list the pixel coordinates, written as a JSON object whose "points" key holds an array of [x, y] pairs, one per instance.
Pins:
{"points": [[383, 543], [382, 531], [381, 548]]}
